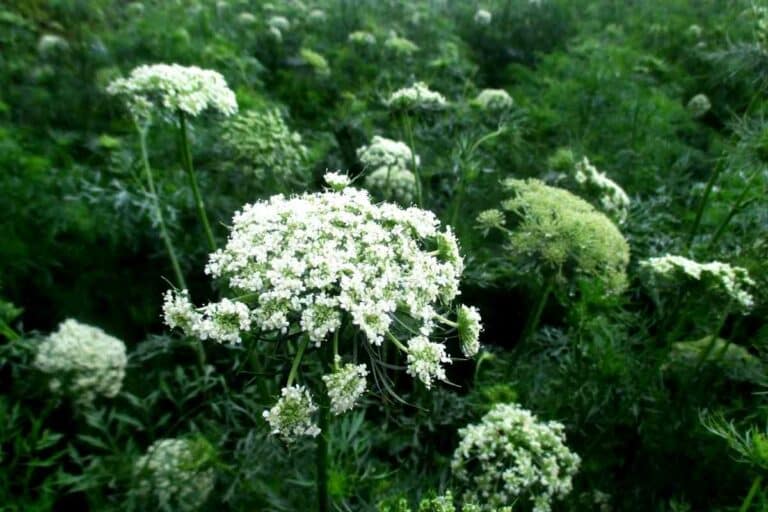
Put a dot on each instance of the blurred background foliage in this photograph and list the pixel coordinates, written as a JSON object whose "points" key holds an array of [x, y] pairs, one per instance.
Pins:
{"points": [[609, 79]]}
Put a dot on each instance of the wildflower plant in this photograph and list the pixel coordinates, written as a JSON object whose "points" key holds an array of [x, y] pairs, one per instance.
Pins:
{"points": [[176, 473], [343, 276], [389, 164], [265, 148], [559, 238], [731, 283], [408, 102], [592, 184], [175, 93], [512, 458], [493, 100], [82, 362]]}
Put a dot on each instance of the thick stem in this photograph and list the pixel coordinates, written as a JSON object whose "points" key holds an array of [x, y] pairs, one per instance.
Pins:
{"points": [[158, 211], [321, 455], [186, 160], [751, 494], [408, 131], [297, 359], [533, 321]]}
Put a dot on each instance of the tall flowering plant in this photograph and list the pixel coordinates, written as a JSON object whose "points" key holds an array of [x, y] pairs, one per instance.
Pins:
{"points": [[344, 277], [174, 93]]}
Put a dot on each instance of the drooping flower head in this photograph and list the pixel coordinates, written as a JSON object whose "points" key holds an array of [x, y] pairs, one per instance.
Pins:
{"points": [[291, 416], [725, 279], [483, 17], [511, 457], [389, 163], [493, 100], [699, 105], [417, 97], [83, 361], [387, 153], [345, 385], [469, 326], [176, 473], [591, 184], [171, 88], [563, 237], [395, 184]]}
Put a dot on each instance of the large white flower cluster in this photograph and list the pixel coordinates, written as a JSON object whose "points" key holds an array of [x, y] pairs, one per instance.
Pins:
{"points": [[512, 457], [291, 416], [345, 385], [175, 473], [611, 197], [493, 100], [82, 361], [171, 88], [390, 177], [416, 97], [310, 262], [733, 281]]}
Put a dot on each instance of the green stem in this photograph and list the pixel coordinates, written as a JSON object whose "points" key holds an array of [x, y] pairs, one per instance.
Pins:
{"points": [[732, 213], [297, 359], [397, 342], [8, 332], [186, 160], [751, 494], [321, 461], [158, 211], [408, 131], [533, 321], [713, 340], [703, 203]]}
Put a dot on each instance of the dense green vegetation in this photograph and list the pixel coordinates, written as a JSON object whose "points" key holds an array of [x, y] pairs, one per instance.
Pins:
{"points": [[602, 164]]}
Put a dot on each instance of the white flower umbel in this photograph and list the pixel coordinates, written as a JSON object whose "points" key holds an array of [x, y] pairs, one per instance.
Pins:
{"points": [[425, 360], [483, 17], [362, 38], [82, 361], [336, 180], [175, 473], [393, 184], [400, 46], [511, 457], [699, 105], [308, 260], [281, 23], [308, 264], [386, 153], [469, 326], [733, 281], [493, 100], [611, 197], [416, 97], [291, 416], [171, 88], [345, 385], [219, 321]]}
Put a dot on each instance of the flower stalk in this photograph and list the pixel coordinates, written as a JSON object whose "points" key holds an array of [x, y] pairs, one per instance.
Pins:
{"points": [[158, 211], [186, 161]]}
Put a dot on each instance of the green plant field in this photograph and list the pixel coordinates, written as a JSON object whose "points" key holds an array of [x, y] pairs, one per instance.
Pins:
{"points": [[382, 255]]}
